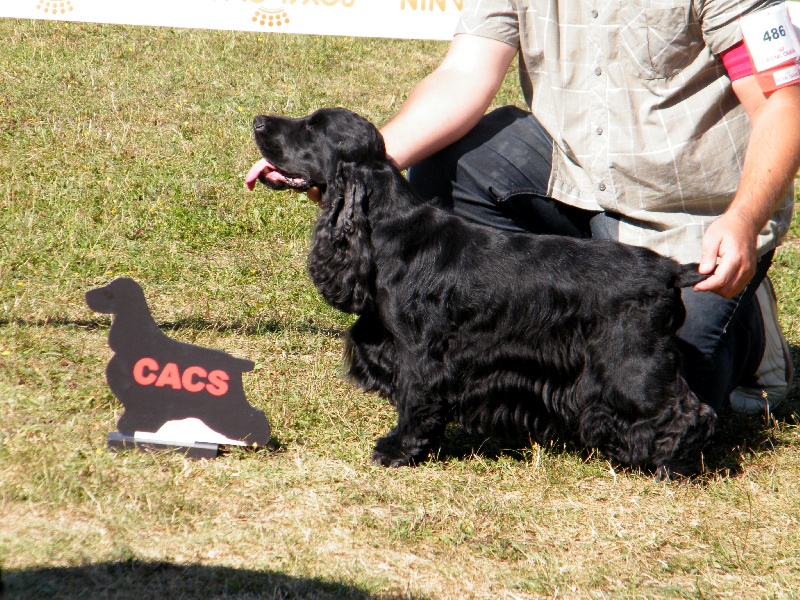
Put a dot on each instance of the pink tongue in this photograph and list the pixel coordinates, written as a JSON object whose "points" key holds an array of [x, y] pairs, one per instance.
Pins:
{"points": [[252, 175], [262, 166]]}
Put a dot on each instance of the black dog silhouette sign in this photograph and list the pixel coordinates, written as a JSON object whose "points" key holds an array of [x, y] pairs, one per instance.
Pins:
{"points": [[174, 394]]}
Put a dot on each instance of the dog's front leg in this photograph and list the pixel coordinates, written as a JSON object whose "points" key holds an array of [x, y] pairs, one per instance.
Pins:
{"points": [[420, 425]]}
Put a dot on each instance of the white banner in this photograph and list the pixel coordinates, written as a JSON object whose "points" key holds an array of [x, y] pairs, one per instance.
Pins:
{"points": [[414, 19]]}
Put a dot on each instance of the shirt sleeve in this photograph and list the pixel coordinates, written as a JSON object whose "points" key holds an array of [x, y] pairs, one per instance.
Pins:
{"points": [[720, 19], [495, 19]]}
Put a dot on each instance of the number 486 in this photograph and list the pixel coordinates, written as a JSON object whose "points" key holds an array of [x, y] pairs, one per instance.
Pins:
{"points": [[774, 34]]}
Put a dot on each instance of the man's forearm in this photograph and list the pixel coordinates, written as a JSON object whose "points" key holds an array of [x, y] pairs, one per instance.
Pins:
{"points": [[772, 157], [450, 101], [771, 162], [432, 118]]}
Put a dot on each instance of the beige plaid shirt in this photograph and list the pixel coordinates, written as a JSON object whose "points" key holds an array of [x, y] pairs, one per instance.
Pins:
{"points": [[645, 123]]}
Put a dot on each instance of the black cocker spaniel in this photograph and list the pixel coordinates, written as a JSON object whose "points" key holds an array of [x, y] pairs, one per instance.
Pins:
{"points": [[502, 333]]}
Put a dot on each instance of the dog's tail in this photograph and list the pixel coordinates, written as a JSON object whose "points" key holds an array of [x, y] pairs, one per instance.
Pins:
{"points": [[688, 275]]}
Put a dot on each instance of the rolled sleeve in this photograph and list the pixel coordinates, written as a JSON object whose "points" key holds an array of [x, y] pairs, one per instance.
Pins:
{"points": [[720, 19], [494, 19]]}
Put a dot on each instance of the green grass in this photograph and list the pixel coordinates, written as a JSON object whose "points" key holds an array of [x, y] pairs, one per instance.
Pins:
{"points": [[122, 152]]}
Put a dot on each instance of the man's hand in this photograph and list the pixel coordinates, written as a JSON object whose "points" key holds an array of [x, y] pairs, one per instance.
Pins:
{"points": [[314, 194], [770, 164], [732, 240]]}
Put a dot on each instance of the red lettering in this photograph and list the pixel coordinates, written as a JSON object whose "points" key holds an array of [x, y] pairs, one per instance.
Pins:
{"points": [[143, 371], [217, 383], [193, 379], [170, 376], [190, 384]]}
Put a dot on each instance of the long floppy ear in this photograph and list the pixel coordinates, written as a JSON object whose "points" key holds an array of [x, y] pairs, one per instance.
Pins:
{"points": [[340, 262]]}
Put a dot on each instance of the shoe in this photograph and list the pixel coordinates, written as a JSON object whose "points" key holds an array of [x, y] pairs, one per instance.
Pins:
{"points": [[773, 377]]}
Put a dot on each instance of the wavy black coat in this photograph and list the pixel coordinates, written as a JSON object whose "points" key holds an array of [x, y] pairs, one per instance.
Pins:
{"points": [[502, 333]]}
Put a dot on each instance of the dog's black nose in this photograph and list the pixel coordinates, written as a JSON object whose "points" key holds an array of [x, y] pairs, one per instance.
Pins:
{"points": [[260, 123]]}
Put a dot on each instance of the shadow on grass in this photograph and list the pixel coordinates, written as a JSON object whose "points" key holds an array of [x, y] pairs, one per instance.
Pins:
{"points": [[459, 445], [740, 435], [258, 326], [136, 579]]}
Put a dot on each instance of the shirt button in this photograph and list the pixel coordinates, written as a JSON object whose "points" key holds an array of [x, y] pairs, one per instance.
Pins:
{"points": [[599, 131], [601, 186], [598, 71], [594, 13]]}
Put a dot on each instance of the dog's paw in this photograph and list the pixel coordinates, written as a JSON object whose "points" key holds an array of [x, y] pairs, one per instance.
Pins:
{"points": [[388, 461], [391, 452]]}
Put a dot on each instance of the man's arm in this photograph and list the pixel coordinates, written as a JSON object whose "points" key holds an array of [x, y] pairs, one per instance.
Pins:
{"points": [[771, 162], [450, 101]]}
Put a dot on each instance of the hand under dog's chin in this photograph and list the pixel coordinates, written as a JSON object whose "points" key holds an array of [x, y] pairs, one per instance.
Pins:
{"points": [[279, 185], [274, 178]]}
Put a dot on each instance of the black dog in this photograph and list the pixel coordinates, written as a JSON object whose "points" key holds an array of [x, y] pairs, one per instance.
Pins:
{"points": [[159, 379], [502, 333]]}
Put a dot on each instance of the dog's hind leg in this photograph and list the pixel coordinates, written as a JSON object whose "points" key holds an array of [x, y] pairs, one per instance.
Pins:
{"points": [[670, 439], [647, 417], [679, 443]]}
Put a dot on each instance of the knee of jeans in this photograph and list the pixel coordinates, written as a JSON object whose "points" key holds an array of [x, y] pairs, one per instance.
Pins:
{"points": [[716, 359], [751, 338]]}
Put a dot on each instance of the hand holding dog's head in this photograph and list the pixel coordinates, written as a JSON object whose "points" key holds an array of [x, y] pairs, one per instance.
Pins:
{"points": [[308, 152]]}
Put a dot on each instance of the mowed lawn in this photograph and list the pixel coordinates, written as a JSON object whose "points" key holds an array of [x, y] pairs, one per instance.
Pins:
{"points": [[123, 152]]}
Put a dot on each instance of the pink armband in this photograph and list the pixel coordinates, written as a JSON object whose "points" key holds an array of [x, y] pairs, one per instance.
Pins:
{"points": [[737, 61]]}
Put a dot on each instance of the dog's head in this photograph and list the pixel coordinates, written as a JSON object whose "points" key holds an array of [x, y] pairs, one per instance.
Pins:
{"points": [[300, 153], [120, 294], [341, 153]]}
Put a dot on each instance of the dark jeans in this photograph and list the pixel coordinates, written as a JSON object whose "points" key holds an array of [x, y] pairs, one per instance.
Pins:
{"points": [[498, 175]]}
